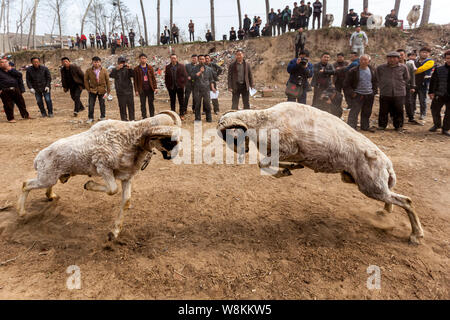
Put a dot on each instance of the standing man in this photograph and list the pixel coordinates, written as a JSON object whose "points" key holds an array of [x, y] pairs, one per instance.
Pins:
{"points": [[11, 89], [309, 13], [72, 79], [339, 67], [424, 67], [189, 88], [321, 80], [361, 85], [39, 82], [273, 21], [191, 28], [317, 13], [131, 36], [204, 79], [96, 82], [167, 34], [217, 71], [92, 40], [104, 40], [175, 32], [440, 95], [247, 24], [175, 79], [98, 40], [410, 87], [392, 78], [124, 88], [83, 42], [300, 42], [233, 36], [358, 40], [209, 36], [298, 75], [240, 80], [145, 85]]}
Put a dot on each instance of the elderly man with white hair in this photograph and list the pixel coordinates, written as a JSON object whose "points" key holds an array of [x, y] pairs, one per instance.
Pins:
{"points": [[361, 85]]}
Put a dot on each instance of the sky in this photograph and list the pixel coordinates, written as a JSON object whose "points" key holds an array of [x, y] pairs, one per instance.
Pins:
{"points": [[225, 12]]}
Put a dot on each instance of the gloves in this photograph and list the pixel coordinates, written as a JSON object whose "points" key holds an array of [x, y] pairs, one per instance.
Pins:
{"points": [[47, 89], [32, 91]]}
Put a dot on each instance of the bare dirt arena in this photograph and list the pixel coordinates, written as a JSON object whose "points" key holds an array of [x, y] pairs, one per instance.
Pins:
{"points": [[222, 231]]}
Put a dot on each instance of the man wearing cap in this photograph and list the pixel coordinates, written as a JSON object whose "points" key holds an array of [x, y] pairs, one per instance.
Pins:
{"points": [[392, 79], [122, 75]]}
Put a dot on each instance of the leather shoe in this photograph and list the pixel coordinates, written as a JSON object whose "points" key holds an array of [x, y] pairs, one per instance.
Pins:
{"points": [[434, 129], [446, 133]]}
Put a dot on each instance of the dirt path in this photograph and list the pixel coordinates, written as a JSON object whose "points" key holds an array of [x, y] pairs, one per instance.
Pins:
{"points": [[217, 231]]}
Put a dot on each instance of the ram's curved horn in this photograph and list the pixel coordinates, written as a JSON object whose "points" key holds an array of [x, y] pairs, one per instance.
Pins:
{"points": [[231, 124], [176, 118]]}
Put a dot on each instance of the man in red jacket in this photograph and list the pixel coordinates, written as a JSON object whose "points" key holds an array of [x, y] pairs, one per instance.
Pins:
{"points": [[83, 41], [176, 77]]}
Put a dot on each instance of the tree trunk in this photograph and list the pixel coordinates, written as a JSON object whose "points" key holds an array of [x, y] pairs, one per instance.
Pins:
{"points": [[58, 12], [239, 13], [84, 17], [397, 7], [426, 12], [158, 18], [365, 4], [344, 13], [21, 24], [7, 24], [145, 22], [121, 17], [2, 19], [324, 12], [267, 10], [171, 17], [36, 3], [213, 23]]}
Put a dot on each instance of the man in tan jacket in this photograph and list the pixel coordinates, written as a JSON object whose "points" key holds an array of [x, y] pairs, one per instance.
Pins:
{"points": [[96, 82]]}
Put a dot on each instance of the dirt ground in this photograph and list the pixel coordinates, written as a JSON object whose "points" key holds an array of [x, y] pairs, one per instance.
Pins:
{"points": [[222, 231]]}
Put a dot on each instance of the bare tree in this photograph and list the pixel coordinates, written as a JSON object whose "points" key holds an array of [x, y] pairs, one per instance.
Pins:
{"points": [[365, 4], [171, 15], [344, 14], [397, 6], [119, 7], [145, 22], [426, 12], [57, 6], [158, 26], [32, 31], [213, 23], [23, 16], [267, 10], [239, 13], [83, 19], [2, 18], [324, 12]]}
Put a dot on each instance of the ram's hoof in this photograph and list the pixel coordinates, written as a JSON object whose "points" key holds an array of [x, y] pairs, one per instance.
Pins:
{"points": [[415, 239], [111, 236]]}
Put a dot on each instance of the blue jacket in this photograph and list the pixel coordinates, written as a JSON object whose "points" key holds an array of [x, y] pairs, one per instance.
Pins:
{"points": [[355, 63]]}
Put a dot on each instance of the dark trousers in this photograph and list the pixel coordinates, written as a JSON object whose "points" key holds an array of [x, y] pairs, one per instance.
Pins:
{"points": [[150, 96], [421, 92], [202, 94], [92, 44], [409, 104], [244, 91], [126, 101], [132, 42], [302, 22], [173, 94], [104, 45], [361, 103], [75, 94], [436, 106], [392, 106], [11, 97], [99, 44], [316, 96], [299, 48], [191, 36], [48, 102], [187, 94], [92, 98], [316, 16], [83, 44], [283, 28]]}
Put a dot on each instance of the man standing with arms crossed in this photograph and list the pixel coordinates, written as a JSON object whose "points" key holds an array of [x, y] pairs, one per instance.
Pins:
{"points": [[240, 80], [175, 79]]}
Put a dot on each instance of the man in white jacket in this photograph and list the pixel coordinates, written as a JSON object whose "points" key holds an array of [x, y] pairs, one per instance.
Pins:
{"points": [[358, 41]]}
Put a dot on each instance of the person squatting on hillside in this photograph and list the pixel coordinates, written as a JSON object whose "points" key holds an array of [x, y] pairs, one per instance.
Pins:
{"points": [[425, 66], [240, 80], [11, 89], [352, 19], [392, 79], [203, 84], [440, 95], [96, 82], [39, 82], [358, 41], [391, 20], [145, 85], [321, 80], [72, 79], [123, 74], [361, 85], [189, 88], [217, 71], [175, 80]]}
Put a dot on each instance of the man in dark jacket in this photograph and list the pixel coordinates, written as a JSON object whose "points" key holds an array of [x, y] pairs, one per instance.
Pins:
{"points": [[321, 80], [189, 88], [175, 78], [298, 75], [11, 89], [72, 79], [39, 82], [439, 93], [339, 67], [361, 85], [132, 36], [145, 85], [217, 71], [240, 80], [317, 12], [352, 19], [300, 42], [247, 24], [273, 21], [124, 88], [233, 36], [391, 20], [203, 85], [241, 34], [392, 78]]}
